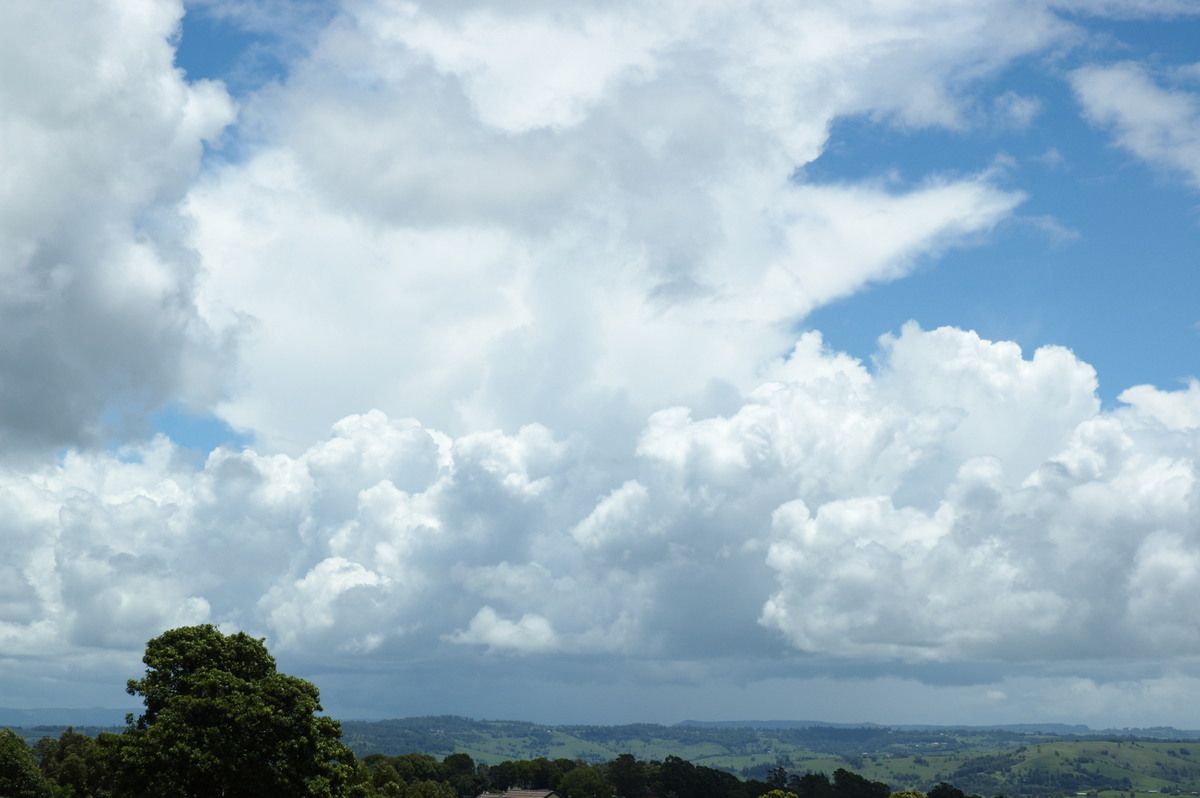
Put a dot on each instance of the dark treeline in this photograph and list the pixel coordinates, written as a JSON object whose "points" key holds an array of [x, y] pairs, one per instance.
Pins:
{"points": [[623, 777], [80, 766]]}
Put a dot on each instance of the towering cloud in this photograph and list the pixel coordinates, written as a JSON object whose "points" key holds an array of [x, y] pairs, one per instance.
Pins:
{"points": [[508, 299], [838, 512], [102, 137], [488, 232]]}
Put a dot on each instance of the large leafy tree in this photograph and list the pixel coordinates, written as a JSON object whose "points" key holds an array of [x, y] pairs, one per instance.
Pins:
{"points": [[220, 720]]}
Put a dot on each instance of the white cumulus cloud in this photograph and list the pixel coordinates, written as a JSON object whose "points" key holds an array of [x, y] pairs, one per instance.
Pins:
{"points": [[479, 234], [506, 299], [840, 511], [102, 137]]}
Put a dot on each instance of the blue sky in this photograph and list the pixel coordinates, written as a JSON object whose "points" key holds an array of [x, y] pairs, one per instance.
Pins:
{"points": [[1115, 281], [616, 363]]}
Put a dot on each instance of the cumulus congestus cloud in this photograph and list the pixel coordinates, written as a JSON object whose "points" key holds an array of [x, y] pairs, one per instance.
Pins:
{"points": [[837, 512], [523, 225], [509, 301], [102, 137]]}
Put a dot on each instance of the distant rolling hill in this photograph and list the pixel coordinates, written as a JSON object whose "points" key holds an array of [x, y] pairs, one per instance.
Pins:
{"points": [[1018, 761], [96, 716]]}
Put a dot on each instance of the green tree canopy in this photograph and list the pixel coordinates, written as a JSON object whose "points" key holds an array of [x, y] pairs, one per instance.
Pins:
{"points": [[74, 762], [19, 774], [851, 785], [220, 720], [944, 790], [628, 776], [585, 781]]}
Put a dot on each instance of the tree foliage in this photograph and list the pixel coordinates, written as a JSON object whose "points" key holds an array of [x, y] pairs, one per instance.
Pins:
{"points": [[628, 776], [75, 762], [19, 774], [584, 781], [220, 720]]}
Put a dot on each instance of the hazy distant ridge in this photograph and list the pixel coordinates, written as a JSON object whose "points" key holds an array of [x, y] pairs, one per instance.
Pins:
{"points": [[1163, 732], [108, 716], [1030, 728], [96, 716]]}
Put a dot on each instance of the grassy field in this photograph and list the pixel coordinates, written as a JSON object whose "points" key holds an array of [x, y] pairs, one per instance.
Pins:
{"points": [[1072, 766]]}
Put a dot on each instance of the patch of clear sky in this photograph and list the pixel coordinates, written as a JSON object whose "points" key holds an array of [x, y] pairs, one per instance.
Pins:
{"points": [[1119, 288]]}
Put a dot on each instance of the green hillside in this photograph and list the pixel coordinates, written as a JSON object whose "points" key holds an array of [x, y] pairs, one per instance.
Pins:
{"points": [[985, 762]]}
